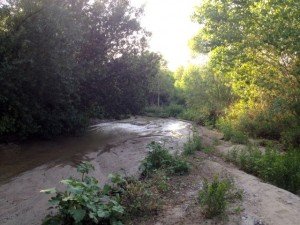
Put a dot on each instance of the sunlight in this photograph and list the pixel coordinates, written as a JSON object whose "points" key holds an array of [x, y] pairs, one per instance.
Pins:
{"points": [[172, 28]]}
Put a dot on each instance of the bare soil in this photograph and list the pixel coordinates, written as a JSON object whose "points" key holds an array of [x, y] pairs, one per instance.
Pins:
{"points": [[119, 147], [262, 203]]}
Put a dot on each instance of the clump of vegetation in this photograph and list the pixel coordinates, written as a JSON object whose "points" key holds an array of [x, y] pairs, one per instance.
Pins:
{"points": [[232, 134], [208, 149], [84, 202], [280, 169], [193, 144], [215, 196], [159, 157], [140, 198]]}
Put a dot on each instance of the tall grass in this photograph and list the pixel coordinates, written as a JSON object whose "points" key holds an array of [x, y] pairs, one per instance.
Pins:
{"points": [[280, 169]]}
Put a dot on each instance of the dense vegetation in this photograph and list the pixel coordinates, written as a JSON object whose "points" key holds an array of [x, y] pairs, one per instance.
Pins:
{"points": [[250, 85], [282, 170], [62, 62], [251, 82]]}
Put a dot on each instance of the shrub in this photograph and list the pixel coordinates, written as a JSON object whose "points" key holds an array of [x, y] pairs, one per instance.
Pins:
{"points": [[160, 158], [84, 202], [231, 134], [193, 115], [213, 197], [280, 169], [140, 198], [193, 144]]}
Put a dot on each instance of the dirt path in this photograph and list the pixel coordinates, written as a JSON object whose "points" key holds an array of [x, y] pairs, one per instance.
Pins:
{"points": [[262, 203]]}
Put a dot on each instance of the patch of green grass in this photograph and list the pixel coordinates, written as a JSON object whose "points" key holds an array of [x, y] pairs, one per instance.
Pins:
{"points": [[208, 149], [280, 169], [159, 158]]}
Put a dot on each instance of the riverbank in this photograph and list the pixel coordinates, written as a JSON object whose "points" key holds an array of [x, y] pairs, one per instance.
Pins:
{"points": [[119, 146]]}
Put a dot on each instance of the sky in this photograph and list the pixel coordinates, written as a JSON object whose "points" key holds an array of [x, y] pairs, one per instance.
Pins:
{"points": [[170, 23]]}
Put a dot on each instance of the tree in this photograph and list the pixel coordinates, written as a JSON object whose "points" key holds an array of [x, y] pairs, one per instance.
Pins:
{"points": [[64, 61], [255, 45]]}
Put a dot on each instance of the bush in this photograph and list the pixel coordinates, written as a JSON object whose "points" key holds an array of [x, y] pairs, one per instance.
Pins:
{"points": [[193, 115], [231, 134], [140, 198], [160, 158], [192, 145], [280, 169], [213, 197], [84, 202]]}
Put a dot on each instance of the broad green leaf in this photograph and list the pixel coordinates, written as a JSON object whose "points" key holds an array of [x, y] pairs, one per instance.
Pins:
{"points": [[77, 214]]}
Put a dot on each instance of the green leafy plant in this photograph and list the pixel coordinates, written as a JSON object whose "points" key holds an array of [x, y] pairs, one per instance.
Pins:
{"points": [[84, 202], [215, 196], [193, 144], [160, 158]]}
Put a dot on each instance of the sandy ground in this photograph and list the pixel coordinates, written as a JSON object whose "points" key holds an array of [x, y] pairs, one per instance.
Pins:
{"points": [[111, 147], [262, 203]]}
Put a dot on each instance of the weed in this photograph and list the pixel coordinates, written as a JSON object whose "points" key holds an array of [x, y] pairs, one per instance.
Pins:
{"points": [[160, 158], [84, 202], [208, 149], [238, 210], [216, 195], [140, 198], [193, 144], [212, 197]]}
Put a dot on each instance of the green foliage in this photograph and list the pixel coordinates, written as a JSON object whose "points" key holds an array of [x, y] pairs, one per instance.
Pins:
{"points": [[206, 94], [161, 88], [84, 202], [193, 144], [258, 61], [231, 134], [214, 197], [65, 61], [172, 110], [160, 158], [280, 169]]}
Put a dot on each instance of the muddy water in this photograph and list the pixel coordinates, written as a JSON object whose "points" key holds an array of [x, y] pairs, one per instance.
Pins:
{"points": [[111, 147]]}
